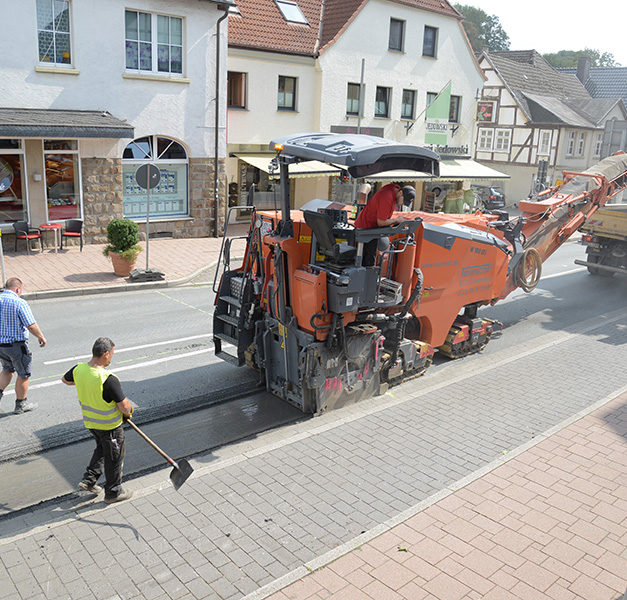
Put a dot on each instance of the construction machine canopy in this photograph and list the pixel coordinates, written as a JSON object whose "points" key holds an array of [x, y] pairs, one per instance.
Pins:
{"points": [[362, 155]]}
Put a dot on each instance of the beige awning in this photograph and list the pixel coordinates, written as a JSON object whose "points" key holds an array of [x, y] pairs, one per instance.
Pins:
{"points": [[450, 169], [309, 168]]}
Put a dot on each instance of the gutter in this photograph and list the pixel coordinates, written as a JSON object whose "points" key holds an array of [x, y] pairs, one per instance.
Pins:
{"points": [[225, 8]]}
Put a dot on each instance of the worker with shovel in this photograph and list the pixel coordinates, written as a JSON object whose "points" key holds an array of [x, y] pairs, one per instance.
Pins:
{"points": [[104, 407]]}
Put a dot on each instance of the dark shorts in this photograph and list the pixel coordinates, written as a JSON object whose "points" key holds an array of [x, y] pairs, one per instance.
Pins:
{"points": [[16, 357]]}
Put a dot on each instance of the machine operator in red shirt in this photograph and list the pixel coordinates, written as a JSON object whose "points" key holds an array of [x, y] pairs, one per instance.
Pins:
{"points": [[378, 213]]}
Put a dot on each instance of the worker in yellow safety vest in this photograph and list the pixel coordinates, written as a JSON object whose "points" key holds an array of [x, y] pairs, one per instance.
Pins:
{"points": [[105, 408]]}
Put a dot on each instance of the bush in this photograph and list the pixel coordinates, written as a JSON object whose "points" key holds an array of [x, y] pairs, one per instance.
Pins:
{"points": [[123, 238]]}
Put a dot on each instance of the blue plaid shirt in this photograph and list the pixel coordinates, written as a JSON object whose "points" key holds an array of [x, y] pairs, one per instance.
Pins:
{"points": [[15, 317]]}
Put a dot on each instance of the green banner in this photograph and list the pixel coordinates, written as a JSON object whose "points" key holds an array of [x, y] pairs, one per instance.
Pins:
{"points": [[436, 118]]}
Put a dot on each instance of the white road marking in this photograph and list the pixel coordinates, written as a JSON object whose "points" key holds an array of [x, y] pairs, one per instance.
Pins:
{"points": [[117, 351], [148, 363]]}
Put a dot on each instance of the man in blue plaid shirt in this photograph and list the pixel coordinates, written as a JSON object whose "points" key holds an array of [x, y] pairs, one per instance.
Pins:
{"points": [[16, 320]]}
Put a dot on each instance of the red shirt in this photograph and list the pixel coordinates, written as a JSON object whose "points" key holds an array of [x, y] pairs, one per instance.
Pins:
{"points": [[380, 206]]}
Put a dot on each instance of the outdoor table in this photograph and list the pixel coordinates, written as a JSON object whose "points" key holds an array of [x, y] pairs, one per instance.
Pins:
{"points": [[54, 227]]}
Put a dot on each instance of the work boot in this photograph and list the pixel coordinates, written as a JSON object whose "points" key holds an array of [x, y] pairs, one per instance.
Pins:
{"points": [[92, 488], [123, 495], [22, 406]]}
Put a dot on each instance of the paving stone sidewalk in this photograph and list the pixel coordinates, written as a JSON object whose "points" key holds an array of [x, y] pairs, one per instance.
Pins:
{"points": [[72, 271], [550, 523]]}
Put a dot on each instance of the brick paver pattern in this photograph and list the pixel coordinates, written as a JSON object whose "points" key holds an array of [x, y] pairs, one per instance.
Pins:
{"points": [[549, 522]]}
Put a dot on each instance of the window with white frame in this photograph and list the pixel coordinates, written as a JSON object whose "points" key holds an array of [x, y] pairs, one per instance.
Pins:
{"points": [[352, 99], [291, 11], [63, 186], [382, 102], [53, 32], [502, 140], [408, 104], [397, 35], [581, 143], [169, 198], [236, 89], [154, 43], [598, 144], [486, 137], [570, 146], [544, 142]]}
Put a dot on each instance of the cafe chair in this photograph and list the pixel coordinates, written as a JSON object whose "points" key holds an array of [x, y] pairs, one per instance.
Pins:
{"points": [[24, 232], [73, 229]]}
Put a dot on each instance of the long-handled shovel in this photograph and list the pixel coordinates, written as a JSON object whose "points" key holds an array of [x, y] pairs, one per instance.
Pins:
{"points": [[182, 469]]}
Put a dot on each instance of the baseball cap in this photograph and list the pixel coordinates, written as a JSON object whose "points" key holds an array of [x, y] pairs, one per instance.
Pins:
{"points": [[409, 193]]}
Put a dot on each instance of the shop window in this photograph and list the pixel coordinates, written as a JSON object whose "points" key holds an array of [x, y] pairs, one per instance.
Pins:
{"points": [[352, 99], [382, 102], [170, 197], [286, 93], [53, 32], [154, 43], [397, 35], [236, 86], [430, 41], [12, 181], [63, 189], [408, 104]]}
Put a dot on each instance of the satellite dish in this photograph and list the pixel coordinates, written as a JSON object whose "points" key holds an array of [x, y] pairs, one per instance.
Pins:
{"points": [[6, 175]]}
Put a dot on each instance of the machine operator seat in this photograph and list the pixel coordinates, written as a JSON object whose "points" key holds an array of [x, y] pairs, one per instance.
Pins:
{"points": [[322, 227]]}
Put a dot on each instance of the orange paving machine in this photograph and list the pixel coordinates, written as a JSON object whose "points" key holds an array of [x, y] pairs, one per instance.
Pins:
{"points": [[324, 330]]}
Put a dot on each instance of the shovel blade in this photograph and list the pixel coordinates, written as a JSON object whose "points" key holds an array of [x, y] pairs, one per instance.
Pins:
{"points": [[179, 476]]}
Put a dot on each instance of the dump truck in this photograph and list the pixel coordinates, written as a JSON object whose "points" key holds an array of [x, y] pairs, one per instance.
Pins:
{"points": [[323, 329], [605, 238]]}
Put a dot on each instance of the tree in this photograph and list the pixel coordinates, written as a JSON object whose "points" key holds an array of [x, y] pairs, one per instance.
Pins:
{"points": [[570, 58], [483, 29]]}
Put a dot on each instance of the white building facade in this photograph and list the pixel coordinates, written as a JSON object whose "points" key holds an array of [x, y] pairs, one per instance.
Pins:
{"points": [[92, 90], [410, 54]]}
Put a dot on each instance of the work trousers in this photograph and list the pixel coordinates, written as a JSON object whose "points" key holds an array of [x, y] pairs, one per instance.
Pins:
{"points": [[109, 452]]}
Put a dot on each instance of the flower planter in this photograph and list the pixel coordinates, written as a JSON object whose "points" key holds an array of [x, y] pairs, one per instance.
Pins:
{"points": [[121, 266]]}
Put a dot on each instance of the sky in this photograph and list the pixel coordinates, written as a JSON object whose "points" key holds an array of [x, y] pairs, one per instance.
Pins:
{"points": [[553, 25]]}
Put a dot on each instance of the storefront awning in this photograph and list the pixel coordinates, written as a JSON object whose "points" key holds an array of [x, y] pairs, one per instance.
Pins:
{"points": [[450, 169], [51, 123], [309, 168]]}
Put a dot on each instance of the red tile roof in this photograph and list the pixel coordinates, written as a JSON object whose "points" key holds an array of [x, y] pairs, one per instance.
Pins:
{"points": [[261, 25]]}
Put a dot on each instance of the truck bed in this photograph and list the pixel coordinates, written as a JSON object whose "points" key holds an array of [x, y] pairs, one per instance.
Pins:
{"points": [[609, 221]]}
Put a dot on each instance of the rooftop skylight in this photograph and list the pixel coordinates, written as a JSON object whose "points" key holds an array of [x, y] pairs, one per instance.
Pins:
{"points": [[290, 11]]}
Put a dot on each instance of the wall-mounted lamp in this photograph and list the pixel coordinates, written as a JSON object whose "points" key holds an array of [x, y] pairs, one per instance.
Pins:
{"points": [[36, 176], [478, 94]]}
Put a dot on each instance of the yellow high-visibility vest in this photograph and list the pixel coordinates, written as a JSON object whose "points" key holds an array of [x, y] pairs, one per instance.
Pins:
{"points": [[97, 414]]}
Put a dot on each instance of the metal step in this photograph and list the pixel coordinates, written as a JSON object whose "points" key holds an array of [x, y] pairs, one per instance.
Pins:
{"points": [[226, 338], [228, 319], [225, 356], [231, 300]]}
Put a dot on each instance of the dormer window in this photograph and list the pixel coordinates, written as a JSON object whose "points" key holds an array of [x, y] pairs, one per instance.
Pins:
{"points": [[291, 12]]}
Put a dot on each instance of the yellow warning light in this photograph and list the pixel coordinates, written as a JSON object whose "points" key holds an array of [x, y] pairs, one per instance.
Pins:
{"points": [[278, 147]]}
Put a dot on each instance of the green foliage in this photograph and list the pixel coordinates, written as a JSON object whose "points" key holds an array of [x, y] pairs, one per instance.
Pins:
{"points": [[570, 58], [483, 29], [123, 238]]}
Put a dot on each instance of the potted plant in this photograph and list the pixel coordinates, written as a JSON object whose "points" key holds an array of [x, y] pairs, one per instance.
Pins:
{"points": [[123, 246]]}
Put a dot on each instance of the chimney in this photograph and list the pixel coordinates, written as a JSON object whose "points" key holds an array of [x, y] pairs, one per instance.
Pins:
{"points": [[583, 69]]}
